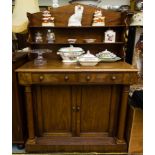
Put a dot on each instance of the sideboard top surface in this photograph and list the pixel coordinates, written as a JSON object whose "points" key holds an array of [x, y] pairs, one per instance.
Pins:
{"points": [[58, 66]]}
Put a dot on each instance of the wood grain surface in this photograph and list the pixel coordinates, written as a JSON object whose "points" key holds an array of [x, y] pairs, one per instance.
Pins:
{"points": [[58, 66]]}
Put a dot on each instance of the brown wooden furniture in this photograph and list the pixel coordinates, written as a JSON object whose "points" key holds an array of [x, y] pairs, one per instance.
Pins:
{"points": [[74, 108], [71, 107], [18, 115]]}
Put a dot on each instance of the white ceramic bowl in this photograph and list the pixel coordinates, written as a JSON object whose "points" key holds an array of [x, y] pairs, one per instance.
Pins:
{"points": [[88, 59], [71, 41], [89, 40]]}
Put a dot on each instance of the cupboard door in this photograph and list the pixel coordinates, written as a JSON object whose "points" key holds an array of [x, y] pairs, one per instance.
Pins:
{"points": [[94, 110], [54, 110]]}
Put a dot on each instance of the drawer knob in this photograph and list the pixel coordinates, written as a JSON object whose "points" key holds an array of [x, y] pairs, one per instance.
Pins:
{"points": [[88, 78], [41, 78], [66, 78], [113, 77]]}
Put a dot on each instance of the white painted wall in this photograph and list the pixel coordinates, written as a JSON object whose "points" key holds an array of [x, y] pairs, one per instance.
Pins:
{"points": [[116, 2], [65, 2], [49, 2], [104, 2]]}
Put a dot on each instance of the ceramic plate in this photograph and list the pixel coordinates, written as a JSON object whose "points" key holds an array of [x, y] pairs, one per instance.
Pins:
{"points": [[110, 60]]}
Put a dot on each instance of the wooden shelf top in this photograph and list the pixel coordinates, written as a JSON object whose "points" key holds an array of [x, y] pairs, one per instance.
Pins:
{"points": [[77, 27], [56, 43], [59, 66], [18, 55]]}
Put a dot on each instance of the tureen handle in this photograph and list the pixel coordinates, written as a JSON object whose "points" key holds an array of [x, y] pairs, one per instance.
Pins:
{"points": [[71, 46], [88, 52]]}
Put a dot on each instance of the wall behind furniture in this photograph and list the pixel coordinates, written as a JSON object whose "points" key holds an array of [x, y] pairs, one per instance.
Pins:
{"points": [[115, 2], [104, 2]]}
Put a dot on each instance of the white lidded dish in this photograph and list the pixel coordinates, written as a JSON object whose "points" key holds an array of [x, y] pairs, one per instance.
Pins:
{"points": [[107, 56], [70, 54], [88, 59]]}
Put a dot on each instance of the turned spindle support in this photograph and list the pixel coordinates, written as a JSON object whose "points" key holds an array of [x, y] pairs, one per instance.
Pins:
{"points": [[122, 115], [30, 121]]}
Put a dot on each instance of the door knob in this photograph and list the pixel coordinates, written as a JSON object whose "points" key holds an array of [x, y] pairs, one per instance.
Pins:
{"points": [[73, 109], [78, 109]]}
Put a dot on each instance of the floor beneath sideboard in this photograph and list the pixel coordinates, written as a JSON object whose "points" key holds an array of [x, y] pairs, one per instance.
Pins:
{"points": [[16, 151]]}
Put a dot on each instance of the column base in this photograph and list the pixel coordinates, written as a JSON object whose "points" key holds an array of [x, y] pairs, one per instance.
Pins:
{"points": [[120, 141], [31, 141]]}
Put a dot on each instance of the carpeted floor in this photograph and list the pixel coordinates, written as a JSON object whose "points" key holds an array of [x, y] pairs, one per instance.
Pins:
{"points": [[17, 151], [76, 154], [80, 154]]}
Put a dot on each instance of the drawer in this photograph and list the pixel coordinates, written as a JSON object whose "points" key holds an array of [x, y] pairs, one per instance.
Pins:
{"points": [[54, 78], [24, 78], [105, 78]]}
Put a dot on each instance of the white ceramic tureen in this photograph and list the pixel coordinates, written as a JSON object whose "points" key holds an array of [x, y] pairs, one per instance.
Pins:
{"points": [[70, 54], [106, 54], [88, 59]]}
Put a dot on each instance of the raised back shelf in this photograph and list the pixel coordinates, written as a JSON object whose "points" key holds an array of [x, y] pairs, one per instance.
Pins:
{"points": [[63, 43], [77, 27], [63, 13], [113, 21]]}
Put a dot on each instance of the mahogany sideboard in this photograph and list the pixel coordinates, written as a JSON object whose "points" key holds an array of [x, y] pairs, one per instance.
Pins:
{"points": [[76, 108]]}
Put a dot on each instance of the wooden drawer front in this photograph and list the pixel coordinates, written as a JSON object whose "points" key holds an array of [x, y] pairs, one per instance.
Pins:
{"points": [[24, 78], [54, 78], [105, 78]]}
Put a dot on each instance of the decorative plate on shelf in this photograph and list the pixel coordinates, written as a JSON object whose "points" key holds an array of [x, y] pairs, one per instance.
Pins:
{"points": [[110, 59]]}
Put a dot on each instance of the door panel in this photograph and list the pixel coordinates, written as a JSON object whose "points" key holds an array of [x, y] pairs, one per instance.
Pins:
{"points": [[94, 109], [55, 110]]}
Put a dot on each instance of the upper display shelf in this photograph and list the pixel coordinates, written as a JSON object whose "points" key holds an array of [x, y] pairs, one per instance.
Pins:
{"points": [[77, 27], [62, 17]]}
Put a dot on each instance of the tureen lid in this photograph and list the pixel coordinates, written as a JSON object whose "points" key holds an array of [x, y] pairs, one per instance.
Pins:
{"points": [[106, 54], [71, 49], [88, 57]]}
